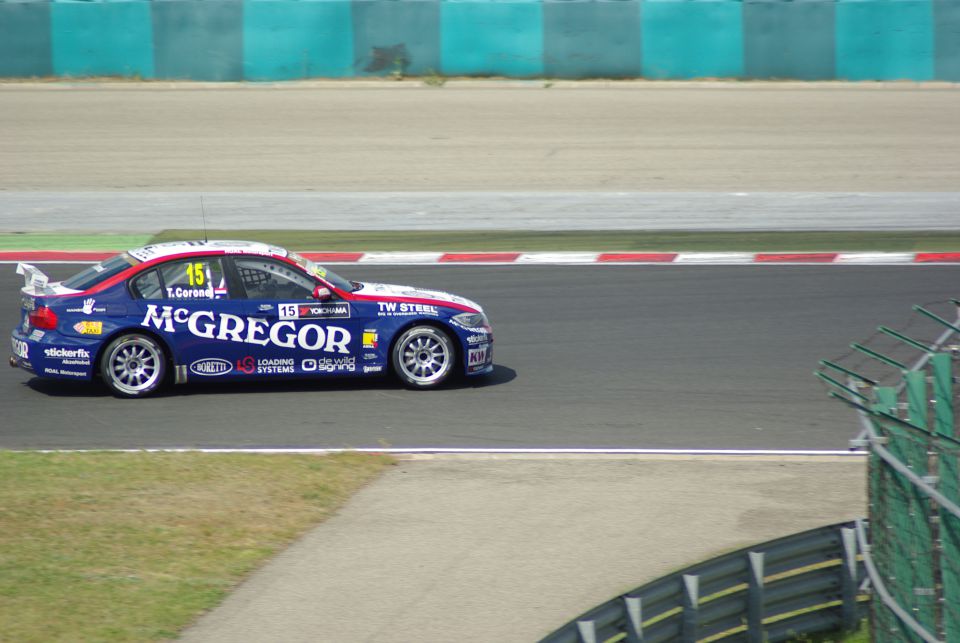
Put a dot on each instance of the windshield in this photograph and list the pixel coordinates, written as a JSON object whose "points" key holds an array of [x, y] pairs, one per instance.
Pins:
{"points": [[100, 272], [327, 275]]}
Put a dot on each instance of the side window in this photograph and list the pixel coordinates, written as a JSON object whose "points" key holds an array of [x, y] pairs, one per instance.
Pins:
{"points": [[147, 286], [199, 278], [266, 279]]}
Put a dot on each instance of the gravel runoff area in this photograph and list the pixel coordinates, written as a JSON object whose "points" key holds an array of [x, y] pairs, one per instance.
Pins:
{"points": [[501, 137], [458, 549]]}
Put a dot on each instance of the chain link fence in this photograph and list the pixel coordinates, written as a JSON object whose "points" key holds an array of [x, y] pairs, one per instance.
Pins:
{"points": [[900, 382]]}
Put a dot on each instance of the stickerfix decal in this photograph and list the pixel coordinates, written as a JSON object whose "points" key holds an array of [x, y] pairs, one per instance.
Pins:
{"points": [[89, 327], [20, 348], [394, 309], [89, 307], [211, 367], [370, 339], [315, 311], [70, 356], [477, 339], [330, 364], [225, 327]]}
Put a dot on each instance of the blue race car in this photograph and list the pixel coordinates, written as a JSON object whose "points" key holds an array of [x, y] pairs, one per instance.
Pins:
{"points": [[236, 310]]}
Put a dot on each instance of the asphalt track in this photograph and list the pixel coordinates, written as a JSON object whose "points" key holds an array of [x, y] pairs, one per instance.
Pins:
{"points": [[598, 356]]}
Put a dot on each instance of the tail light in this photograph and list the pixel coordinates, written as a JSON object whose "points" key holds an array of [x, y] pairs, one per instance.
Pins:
{"points": [[44, 318]]}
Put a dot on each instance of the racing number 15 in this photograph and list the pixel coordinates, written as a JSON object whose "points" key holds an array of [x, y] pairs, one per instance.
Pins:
{"points": [[195, 274]]}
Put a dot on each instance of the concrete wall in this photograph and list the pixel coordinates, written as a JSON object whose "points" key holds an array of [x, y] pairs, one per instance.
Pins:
{"points": [[288, 39]]}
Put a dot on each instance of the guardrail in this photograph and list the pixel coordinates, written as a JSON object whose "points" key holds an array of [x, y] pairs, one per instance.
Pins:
{"points": [[801, 584]]}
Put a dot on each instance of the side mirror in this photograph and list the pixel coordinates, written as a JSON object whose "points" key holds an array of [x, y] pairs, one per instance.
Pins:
{"points": [[322, 293]]}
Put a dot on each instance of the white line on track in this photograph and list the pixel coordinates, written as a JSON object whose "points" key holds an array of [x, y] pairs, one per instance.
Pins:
{"points": [[485, 451]]}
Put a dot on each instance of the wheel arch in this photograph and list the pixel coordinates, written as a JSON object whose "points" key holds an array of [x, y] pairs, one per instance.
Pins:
{"points": [[435, 323], [130, 330]]}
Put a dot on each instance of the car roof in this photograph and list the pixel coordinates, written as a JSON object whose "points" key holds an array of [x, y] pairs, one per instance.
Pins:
{"points": [[217, 246]]}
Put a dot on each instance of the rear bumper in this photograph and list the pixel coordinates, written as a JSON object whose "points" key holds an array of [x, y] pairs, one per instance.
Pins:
{"points": [[49, 354]]}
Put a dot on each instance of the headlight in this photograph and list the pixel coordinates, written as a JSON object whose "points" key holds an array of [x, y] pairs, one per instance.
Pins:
{"points": [[472, 320]]}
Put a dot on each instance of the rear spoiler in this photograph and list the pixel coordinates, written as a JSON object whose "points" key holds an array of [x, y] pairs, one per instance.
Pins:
{"points": [[34, 278]]}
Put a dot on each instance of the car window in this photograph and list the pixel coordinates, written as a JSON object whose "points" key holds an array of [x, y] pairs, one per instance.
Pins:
{"points": [[101, 272], [197, 278], [147, 285], [267, 279]]}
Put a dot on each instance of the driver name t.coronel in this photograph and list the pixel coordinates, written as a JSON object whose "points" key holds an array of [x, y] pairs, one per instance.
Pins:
{"points": [[248, 330]]}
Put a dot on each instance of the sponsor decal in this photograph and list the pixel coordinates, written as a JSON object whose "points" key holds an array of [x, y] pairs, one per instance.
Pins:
{"points": [[37, 334], [315, 311], [477, 339], [370, 356], [28, 303], [211, 367], [179, 292], [370, 339], [477, 356], [329, 364], [394, 309], [225, 327], [89, 307], [69, 356], [89, 327], [60, 371], [265, 366], [372, 369], [20, 348]]}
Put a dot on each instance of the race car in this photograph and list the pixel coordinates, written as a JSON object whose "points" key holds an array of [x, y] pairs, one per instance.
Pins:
{"points": [[237, 310]]}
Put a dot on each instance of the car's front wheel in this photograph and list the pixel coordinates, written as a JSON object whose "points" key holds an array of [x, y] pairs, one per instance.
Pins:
{"points": [[133, 366], [423, 357]]}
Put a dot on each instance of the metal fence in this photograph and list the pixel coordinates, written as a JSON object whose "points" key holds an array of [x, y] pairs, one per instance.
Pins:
{"points": [[901, 384], [804, 583]]}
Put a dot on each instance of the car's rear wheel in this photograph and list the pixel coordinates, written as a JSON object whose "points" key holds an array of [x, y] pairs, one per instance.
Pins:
{"points": [[423, 357], [133, 366]]}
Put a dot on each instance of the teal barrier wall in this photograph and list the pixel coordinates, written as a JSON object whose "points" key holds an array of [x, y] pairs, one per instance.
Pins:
{"points": [[789, 39], [285, 40], [223, 40], [25, 40], [102, 39], [198, 39], [491, 38], [946, 20], [692, 39], [885, 41], [393, 36], [591, 39]]}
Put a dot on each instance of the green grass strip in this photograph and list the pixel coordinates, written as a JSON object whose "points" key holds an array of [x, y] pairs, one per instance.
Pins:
{"points": [[134, 546], [627, 240], [66, 241], [519, 241]]}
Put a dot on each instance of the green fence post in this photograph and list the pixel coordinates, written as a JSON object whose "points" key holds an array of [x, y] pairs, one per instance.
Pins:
{"points": [[916, 382], [949, 473]]}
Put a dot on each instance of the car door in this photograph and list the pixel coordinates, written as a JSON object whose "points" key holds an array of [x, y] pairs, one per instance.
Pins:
{"points": [[299, 335], [189, 303]]}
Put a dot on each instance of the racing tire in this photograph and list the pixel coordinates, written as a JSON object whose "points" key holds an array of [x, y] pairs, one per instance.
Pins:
{"points": [[423, 357], [133, 366]]}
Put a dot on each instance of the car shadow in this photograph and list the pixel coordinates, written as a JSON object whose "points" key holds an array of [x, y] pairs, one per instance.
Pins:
{"points": [[70, 389]]}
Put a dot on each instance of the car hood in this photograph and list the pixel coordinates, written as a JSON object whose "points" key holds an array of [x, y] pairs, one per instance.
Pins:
{"points": [[389, 292]]}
